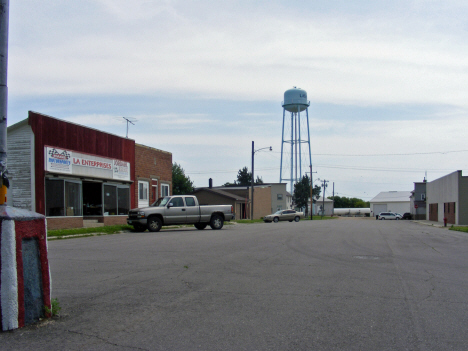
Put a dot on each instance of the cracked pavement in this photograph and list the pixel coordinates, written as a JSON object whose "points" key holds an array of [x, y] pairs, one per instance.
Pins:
{"points": [[313, 285]]}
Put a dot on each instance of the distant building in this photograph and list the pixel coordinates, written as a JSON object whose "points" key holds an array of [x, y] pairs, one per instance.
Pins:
{"points": [[418, 201], [214, 196], [390, 201], [319, 208], [447, 197], [268, 198]]}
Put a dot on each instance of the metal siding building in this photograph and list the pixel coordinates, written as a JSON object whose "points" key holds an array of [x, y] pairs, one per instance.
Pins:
{"points": [[390, 201], [52, 163], [447, 197]]}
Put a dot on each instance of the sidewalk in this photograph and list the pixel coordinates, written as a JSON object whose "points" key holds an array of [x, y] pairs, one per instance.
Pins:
{"points": [[434, 224]]}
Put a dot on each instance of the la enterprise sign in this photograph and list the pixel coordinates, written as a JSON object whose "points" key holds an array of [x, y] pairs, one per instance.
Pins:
{"points": [[76, 163]]}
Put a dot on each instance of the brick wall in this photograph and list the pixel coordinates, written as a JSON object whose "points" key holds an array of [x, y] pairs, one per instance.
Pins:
{"points": [[114, 220], [64, 223], [151, 163], [262, 202]]}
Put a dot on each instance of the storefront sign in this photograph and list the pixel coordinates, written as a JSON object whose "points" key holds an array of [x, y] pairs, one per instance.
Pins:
{"points": [[80, 164], [79, 161], [58, 160], [121, 170]]}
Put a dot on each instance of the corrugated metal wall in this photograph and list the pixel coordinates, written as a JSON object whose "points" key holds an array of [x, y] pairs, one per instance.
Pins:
{"points": [[20, 167]]}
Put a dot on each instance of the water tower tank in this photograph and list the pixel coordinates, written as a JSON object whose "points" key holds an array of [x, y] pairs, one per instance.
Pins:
{"points": [[295, 100]]}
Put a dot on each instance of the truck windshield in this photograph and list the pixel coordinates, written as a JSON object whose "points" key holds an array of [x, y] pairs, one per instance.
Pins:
{"points": [[161, 202]]}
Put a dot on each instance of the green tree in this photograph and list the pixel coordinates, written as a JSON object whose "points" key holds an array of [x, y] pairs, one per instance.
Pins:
{"points": [[302, 193], [316, 192], [244, 178], [345, 202], [181, 184]]}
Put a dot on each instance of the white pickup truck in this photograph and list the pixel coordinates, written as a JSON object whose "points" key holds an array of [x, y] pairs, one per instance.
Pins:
{"points": [[179, 209]]}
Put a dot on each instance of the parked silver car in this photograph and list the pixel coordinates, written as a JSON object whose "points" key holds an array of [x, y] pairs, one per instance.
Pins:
{"points": [[284, 215], [389, 215]]}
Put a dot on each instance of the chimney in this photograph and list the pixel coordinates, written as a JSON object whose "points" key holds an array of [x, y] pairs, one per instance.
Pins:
{"points": [[210, 183]]}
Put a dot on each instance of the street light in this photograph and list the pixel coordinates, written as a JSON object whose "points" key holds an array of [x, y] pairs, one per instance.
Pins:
{"points": [[253, 154]]}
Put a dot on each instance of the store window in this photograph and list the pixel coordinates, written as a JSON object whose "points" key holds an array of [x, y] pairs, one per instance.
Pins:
{"points": [[110, 200], [63, 198], [123, 201], [116, 200], [143, 190], [164, 190]]}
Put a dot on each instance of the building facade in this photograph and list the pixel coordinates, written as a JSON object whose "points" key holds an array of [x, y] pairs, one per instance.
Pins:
{"points": [[447, 197], [418, 201], [322, 207], [390, 201], [153, 175], [214, 196], [268, 198], [71, 173]]}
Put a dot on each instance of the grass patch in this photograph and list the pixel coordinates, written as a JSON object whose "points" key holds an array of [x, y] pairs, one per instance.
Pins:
{"points": [[459, 229], [54, 311], [110, 229]]}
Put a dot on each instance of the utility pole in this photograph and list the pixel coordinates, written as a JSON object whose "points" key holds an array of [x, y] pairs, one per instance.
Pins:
{"points": [[323, 198], [4, 21], [252, 185], [311, 192], [333, 206]]}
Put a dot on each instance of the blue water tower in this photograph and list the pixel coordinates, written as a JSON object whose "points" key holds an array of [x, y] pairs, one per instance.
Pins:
{"points": [[296, 154]]}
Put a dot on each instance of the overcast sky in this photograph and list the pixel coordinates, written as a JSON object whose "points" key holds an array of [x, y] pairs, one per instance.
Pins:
{"points": [[387, 81]]}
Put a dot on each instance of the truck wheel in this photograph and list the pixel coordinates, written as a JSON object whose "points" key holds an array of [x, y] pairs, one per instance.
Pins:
{"points": [[200, 226], [276, 219], [216, 222], [154, 224]]}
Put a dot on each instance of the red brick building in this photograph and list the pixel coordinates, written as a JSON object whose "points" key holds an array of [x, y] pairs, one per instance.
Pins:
{"points": [[71, 173], [153, 171]]}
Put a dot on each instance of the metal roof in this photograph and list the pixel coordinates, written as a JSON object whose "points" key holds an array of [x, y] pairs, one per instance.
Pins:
{"points": [[221, 192], [320, 199], [392, 196]]}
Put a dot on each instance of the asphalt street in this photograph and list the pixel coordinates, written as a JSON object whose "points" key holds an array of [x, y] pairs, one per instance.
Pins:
{"points": [[346, 284]]}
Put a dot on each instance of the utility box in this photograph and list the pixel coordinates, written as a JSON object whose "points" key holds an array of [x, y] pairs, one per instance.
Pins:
{"points": [[24, 267]]}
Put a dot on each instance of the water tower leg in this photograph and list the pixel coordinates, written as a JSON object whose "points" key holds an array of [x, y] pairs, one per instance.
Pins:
{"points": [[282, 143], [292, 153]]}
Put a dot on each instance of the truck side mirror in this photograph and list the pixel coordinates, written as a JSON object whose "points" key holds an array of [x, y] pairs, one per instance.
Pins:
{"points": [[170, 205]]}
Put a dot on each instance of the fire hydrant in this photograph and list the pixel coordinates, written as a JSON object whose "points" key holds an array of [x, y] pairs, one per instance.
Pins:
{"points": [[445, 221]]}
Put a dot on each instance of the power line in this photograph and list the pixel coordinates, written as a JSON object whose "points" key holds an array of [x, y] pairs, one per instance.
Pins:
{"points": [[370, 169], [377, 155]]}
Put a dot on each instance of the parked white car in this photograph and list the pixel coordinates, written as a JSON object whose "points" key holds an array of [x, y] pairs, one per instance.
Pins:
{"points": [[389, 215]]}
